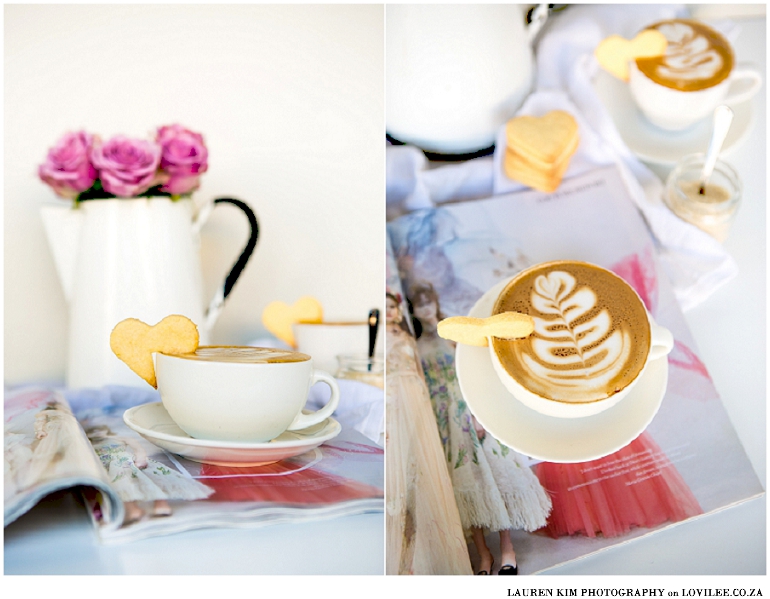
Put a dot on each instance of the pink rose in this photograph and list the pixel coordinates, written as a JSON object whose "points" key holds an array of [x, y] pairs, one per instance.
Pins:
{"points": [[184, 158], [67, 168], [127, 167]]}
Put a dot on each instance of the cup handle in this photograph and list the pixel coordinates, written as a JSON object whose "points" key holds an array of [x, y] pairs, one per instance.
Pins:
{"points": [[305, 420], [661, 342], [740, 73], [215, 307]]}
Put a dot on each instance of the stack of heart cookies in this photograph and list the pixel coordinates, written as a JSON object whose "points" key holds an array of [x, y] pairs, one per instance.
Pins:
{"points": [[539, 149]]}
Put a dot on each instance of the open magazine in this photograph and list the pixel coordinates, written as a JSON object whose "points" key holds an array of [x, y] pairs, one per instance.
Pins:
{"points": [[687, 462], [133, 489]]}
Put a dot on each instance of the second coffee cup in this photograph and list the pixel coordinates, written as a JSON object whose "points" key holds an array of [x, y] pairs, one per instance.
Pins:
{"points": [[697, 73], [324, 341], [240, 394]]}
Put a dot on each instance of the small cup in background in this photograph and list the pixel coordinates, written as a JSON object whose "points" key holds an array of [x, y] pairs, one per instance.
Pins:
{"points": [[675, 109], [360, 367], [324, 341], [715, 210]]}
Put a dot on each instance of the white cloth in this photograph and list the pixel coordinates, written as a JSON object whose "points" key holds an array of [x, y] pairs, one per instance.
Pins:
{"points": [[361, 407], [411, 185], [695, 263]]}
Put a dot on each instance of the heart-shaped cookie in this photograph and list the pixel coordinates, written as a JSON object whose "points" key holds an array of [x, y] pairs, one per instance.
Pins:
{"points": [[543, 141], [520, 170], [476, 331], [278, 317], [134, 342], [615, 52]]}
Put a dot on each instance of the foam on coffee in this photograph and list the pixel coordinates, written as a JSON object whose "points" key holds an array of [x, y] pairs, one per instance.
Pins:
{"points": [[591, 338], [244, 355], [697, 57]]}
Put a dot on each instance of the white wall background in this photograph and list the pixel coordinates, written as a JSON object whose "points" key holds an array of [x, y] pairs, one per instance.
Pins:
{"points": [[290, 102]]}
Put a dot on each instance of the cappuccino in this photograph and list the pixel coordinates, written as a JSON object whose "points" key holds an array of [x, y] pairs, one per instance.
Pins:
{"points": [[696, 74], [244, 355], [697, 57], [592, 333], [241, 394]]}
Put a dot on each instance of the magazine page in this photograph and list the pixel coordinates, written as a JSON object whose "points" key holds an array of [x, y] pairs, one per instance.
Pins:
{"points": [[165, 493], [45, 450], [419, 491], [688, 462]]}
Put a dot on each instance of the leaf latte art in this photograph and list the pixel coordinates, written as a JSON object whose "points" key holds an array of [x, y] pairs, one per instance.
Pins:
{"points": [[697, 56], [575, 346], [591, 335]]}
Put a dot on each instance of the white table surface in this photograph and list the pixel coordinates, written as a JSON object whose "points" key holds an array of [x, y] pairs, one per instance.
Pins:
{"points": [[730, 331], [57, 537]]}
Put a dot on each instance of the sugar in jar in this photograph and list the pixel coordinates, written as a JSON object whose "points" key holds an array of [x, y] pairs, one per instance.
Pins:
{"points": [[711, 208]]}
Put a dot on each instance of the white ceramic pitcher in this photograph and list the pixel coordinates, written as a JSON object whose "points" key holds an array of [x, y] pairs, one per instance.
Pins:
{"points": [[455, 72], [130, 258]]}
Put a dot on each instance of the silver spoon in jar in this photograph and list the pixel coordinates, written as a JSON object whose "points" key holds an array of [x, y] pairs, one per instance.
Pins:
{"points": [[723, 118]]}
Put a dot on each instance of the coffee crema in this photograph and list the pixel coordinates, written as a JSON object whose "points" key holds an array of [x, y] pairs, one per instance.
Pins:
{"points": [[592, 333], [697, 56], [244, 355], [338, 323]]}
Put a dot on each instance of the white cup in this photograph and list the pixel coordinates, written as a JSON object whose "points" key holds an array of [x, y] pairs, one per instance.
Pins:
{"points": [[661, 342], [692, 45], [237, 401], [324, 341], [675, 110]]}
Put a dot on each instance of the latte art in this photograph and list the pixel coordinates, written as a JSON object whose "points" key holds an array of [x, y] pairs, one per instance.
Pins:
{"points": [[697, 57], [591, 335], [574, 344], [244, 355]]}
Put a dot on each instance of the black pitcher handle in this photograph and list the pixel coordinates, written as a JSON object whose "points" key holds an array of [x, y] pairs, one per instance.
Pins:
{"points": [[215, 307]]}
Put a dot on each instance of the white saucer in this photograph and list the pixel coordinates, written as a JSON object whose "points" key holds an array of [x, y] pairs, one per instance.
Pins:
{"points": [[153, 423], [654, 145], [545, 437]]}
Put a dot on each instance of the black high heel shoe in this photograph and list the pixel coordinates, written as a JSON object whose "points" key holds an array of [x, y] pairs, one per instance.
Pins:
{"points": [[484, 572], [508, 570]]}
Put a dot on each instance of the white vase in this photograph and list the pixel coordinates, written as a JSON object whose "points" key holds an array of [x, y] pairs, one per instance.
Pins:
{"points": [[127, 258]]}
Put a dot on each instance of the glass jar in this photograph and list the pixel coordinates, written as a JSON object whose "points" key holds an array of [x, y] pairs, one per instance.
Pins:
{"points": [[712, 211], [360, 367]]}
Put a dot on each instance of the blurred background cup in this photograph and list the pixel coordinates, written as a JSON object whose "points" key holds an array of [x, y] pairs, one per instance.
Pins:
{"points": [[324, 341], [363, 368], [676, 95]]}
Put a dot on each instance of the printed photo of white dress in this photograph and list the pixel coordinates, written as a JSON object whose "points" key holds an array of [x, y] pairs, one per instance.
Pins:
{"points": [[494, 491], [17, 454], [139, 478], [423, 530], [58, 449]]}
